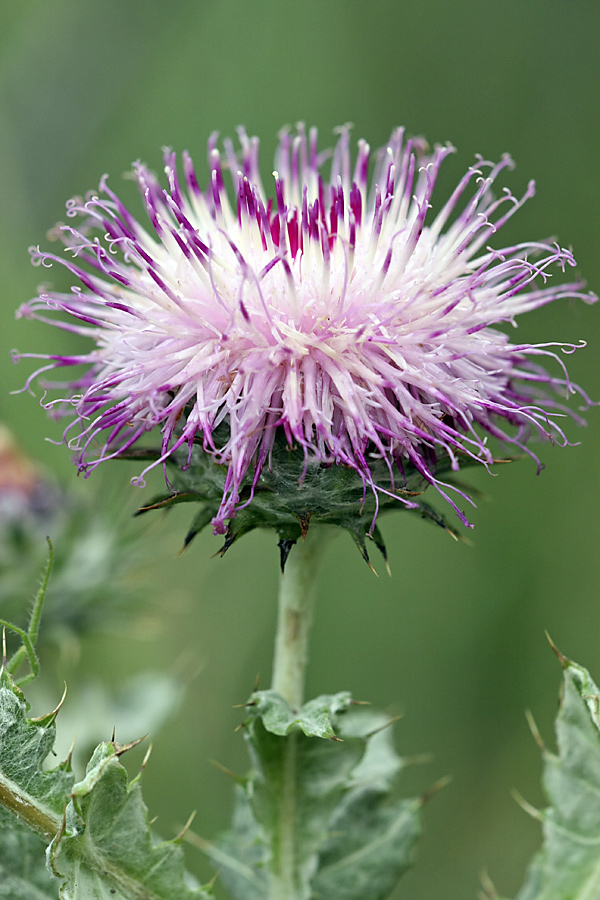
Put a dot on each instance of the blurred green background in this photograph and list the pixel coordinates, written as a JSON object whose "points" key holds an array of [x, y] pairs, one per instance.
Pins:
{"points": [[455, 639]]}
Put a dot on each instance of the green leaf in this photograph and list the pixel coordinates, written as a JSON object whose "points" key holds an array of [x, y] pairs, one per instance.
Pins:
{"points": [[314, 719], [568, 866], [35, 795], [94, 555], [316, 817], [105, 848], [31, 798], [242, 853], [101, 844], [373, 835], [374, 844], [23, 871], [29, 637]]}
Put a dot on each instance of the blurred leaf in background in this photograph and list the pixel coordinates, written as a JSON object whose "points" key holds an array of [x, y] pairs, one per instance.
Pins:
{"points": [[94, 552], [91, 586], [455, 637]]}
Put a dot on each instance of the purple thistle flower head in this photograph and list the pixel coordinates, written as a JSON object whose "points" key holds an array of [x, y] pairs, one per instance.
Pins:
{"points": [[344, 318]]}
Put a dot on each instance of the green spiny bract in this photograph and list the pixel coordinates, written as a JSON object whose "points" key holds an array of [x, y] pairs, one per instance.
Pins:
{"points": [[292, 493]]}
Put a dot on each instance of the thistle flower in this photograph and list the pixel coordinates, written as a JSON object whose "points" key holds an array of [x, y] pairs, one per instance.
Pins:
{"points": [[339, 319]]}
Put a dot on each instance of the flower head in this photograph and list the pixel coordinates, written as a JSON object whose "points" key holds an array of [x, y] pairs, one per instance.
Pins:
{"points": [[342, 318]]}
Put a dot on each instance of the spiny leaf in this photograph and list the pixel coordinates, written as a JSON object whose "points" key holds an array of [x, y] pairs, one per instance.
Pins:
{"points": [[101, 844], [241, 854], [35, 795], [105, 848], [568, 866], [372, 844], [373, 835], [23, 871], [31, 799], [315, 719], [315, 797], [29, 637]]}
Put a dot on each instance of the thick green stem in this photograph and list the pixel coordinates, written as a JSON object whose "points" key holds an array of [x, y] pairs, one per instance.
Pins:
{"points": [[285, 881], [296, 601], [29, 810]]}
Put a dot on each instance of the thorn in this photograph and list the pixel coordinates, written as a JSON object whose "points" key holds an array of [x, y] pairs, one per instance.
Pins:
{"points": [[380, 544], [120, 749], [55, 712], [441, 783], [114, 731], [563, 659], [213, 880], [385, 725], [165, 502], [370, 564], [304, 522], [237, 778], [70, 753], [420, 759], [205, 846], [489, 891], [285, 546], [187, 540], [185, 828], [229, 539], [360, 702], [153, 820], [529, 809], [142, 509], [358, 536], [146, 757], [257, 679], [192, 838], [365, 556], [427, 512], [4, 647], [363, 552], [534, 730], [245, 705]]}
